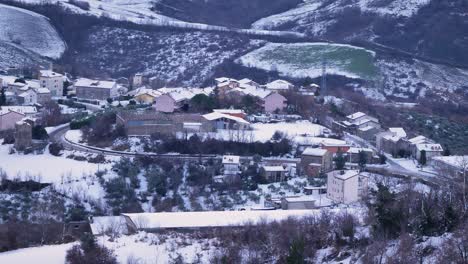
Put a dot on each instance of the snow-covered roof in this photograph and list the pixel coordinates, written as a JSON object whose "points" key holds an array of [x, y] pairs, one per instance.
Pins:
{"points": [[225, 80], [229, 111], [230, 159], [102, 224], [419, 140], [274, 168], [252, 90], [215, 116], [299, 199], [20, 109], [49, 74], [213, 218], [150, 92], [356, 115], [456, 161], [429, 147], [366, 128], [314, 152], [180, 94], [245, 81], [42, 90], [279, 85], [6, 79], [357, 150], [83, 82], [344, 174], [398, 131]]}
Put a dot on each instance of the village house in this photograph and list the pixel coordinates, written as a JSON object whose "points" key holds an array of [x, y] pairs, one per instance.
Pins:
{"points": [[274, 102], [334, 148], [392, 141], [52, 81], [96, 89], [23, 135], [315, 161], [28, 97], [270, 101], [173, 99], [346, 186], [274, 173], [225, 85], [226, 121], [28, 111], [452, 166], [413, 142], [432, 150], [279, 86], [353, 155], [9, 118], [146, 96], [312, 190], [43, 96], [298, 203], [165, 103], [151, 122], [231, 168]]}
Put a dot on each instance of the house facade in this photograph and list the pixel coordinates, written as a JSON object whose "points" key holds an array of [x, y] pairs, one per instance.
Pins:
{"points": [[95, 89], [151, 122], [274, 102], [274, 173], [8, 119], [315, 161], [52, 81], [346, 186], [165, 103]]}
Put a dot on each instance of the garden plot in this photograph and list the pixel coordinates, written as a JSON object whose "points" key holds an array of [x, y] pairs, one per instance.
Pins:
{"points": [[301, 60]]}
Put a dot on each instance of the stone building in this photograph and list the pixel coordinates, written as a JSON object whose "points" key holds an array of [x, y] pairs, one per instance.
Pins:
{"points": [[23, 135]]}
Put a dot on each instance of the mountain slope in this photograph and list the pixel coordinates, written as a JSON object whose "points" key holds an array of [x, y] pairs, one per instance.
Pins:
{"points": [[29, 31], [429, 28]]}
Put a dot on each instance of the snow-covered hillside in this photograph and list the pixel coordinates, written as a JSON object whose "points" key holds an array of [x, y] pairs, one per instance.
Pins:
{"points": [[313, 12], [173, 58], [30, 31]]}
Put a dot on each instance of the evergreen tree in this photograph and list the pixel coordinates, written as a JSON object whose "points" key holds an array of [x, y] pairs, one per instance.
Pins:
{"points": [[339, 160], [2, 97], [362, 160], [296, 252], [423, 158]]}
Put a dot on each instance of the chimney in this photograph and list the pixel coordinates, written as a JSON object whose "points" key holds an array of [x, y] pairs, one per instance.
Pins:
{"points": [[342, 172]]}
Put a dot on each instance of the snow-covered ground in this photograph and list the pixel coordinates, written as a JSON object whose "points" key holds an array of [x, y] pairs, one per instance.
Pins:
{"points": [[44, 167], [39, 255], [264, 132], [31, 31], [306, 59]]}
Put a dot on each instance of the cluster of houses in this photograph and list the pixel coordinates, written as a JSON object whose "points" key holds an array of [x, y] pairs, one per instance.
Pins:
{"points": [[169, 100], [19, 91], [394, 140]]}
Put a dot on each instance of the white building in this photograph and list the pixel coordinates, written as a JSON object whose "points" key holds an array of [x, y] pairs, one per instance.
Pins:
{"points": [[231, 166], [96, 89], [279, 85], [346, 186], [52, 81], [432, 150]]}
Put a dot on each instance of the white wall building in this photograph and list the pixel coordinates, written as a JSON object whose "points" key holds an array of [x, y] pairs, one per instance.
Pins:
{"points": [[346, 186], [52, 81]]}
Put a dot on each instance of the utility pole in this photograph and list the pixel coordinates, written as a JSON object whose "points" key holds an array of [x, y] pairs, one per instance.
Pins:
{"points": [[323, 85]]}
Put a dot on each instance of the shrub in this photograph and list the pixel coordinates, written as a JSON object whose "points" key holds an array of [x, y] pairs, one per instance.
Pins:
{"points": [[55, 149]]}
